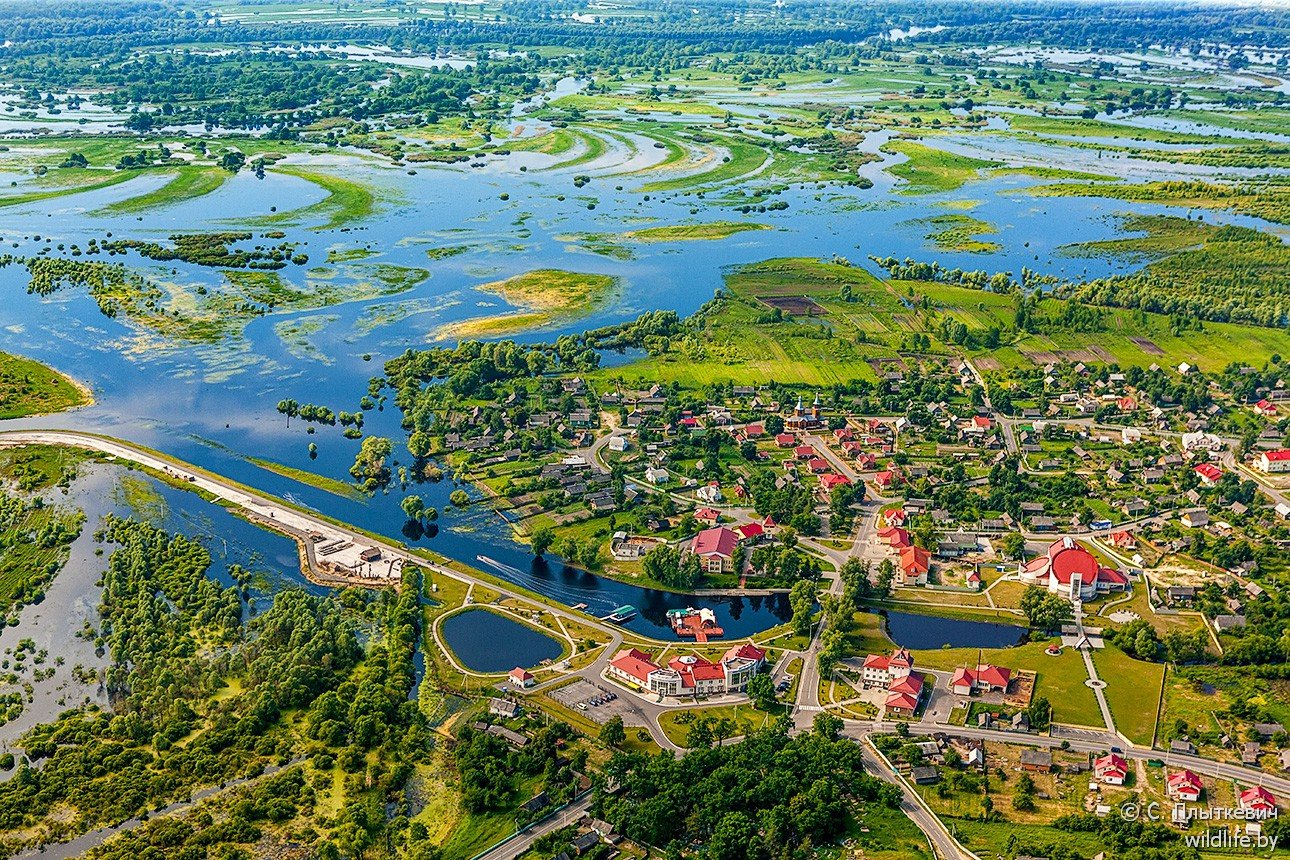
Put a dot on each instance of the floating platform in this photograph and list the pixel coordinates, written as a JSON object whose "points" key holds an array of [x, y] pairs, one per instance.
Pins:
{"points": [[701, 624], [621, 614]]}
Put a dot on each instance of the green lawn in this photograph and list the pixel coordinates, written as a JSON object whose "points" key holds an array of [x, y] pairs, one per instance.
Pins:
{"points": [[1132, 691], [28, 387]]}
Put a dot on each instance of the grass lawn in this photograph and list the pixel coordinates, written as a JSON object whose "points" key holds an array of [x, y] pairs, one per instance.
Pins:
{"points": [[930, 171], [28, 387], [1059, 679], [1132, 691]]}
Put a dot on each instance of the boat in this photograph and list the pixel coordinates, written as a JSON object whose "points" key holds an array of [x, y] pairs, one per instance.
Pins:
{"points": [[626, 612]]}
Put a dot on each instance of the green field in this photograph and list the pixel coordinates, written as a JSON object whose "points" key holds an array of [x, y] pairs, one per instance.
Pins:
{"points": [[347, 201], [28, 387], [542, 297], [932, 171], [691, 232], [187, 184], [1132, 692]]}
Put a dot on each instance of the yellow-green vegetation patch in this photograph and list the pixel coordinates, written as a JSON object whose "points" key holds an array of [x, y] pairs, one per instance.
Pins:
{"points": [[28, 387], [312, 479], [930, 171], [347, 201], [1133, 689], [543, 297], [447, 251], [1269, 200], [958, 232], [348, 255], [64, 182], [187, 183], [692, 232]]}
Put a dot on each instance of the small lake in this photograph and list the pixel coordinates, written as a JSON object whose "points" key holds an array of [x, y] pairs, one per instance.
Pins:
{"points": [[484, 641], [928, 632]]}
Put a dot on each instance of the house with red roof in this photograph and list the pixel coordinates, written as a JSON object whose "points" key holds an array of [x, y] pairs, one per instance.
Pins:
{"points": [[1111, 769], [753, 431], [750, 531], [716, 549], [688, 675], [915, 564], [866, 462], [831, 481], [707, 515], [1274, 461], [1265, 408], [904, 694], [1209, 473], [786, 440], [521, 678], [1126, 404], [885, 478], [1123, 540], [983, 679], [894, 537], [1069, 569], [1184, 785], [817, 465], [1258, 799], [843, 434], [879, 670], [896, 516], [974, 580], [804, 452]]}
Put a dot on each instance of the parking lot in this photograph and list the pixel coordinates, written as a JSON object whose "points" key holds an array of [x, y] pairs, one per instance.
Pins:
{"points": [[593, 701]]}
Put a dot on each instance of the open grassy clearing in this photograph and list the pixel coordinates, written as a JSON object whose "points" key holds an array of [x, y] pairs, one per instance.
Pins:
{"points": [[1269, 200], [28, 387], [1132, 691], [956, 232], [544, 297], [347, 201], [691, 232], [66, 183], [932, 171], [188, 183]]}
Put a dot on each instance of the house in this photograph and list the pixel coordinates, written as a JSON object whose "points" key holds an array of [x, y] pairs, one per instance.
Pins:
{"points": [[1268, 730], [1037, 760], [1257, 799], [884, 479], [1250, 753], [1265, 408], [1123, 540], [904, 693], [710, 493], [707, 515], [880, 670], [1184, 785], [1069, 569], [804, 452], [688, 675], [521, 678], [925, 775], [1195, 518], [504, 708], [817, 465], [656, 476], [915, 563], [715, 548], [536, 803], [1274, 461], [984, 678], [1185, 747], [1111, 769], [894, 536], [585, 842], [1180, 593], [831, 482], [619, 443], [750, 531], [1209, 473]]}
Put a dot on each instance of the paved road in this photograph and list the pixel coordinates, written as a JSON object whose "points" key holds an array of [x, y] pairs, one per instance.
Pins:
{"points": [[520, 844], [945, 845]]}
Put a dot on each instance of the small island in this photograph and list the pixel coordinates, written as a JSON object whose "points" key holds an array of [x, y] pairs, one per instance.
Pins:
{"points": [[28, 387]]}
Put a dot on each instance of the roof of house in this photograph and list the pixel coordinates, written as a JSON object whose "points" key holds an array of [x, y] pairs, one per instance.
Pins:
{"points": [[915, 559], [1278, 455], [634, 663], [745, 651], [1258, 797], [1110, 763], [715, 541], [747, 531], [1184, 778]]}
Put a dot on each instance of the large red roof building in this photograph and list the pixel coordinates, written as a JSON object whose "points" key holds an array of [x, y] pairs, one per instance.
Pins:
{"points": [[1069, 569]]}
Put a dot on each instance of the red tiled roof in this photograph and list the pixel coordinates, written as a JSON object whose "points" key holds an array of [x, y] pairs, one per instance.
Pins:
{"points": [[995, 676], [746, 651], [915, 560], [804, 451], [636, 664], [1184, 779], [748, 531], [818, 464], [1110, 763], [877, 661], [1210, 471], [830, 481], [715, 541], [1257, 797], [707, 514], [784, 440], [1278, 455]]}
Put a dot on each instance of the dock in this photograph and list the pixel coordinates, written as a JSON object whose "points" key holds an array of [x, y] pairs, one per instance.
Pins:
{"points": [[701, 624]]}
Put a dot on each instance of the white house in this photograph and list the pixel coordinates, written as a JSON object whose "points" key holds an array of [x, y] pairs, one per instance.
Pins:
{"points": [[656, 475]]}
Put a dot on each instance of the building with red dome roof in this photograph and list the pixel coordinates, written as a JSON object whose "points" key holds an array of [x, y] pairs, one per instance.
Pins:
{"points": [[1069, 569]]}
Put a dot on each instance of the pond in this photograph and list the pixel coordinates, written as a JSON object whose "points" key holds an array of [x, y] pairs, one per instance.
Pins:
{"points": [[484, 641], [928, 632]]}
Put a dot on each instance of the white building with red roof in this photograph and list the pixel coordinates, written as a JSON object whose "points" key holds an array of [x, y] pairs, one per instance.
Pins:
{"points": [[1258, 799], [983, 679], [688, 675], [880, 670], [521, 678], [1069, 569], [1209, 473], [1111, 769], [1274, 461], [1184, 785]]}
